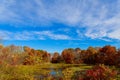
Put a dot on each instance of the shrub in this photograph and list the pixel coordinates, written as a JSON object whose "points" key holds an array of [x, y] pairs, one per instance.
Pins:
{"points": [[100, 72]]}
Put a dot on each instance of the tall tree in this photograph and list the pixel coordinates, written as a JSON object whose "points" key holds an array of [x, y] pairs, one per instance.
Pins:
{"points": [[68, 55], [56, 58]]}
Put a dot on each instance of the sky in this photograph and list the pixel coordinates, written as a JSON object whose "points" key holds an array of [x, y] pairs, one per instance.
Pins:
{"points": [[54, 25]]}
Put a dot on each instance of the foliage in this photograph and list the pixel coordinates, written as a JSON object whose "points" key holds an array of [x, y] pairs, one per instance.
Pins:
{"points": [[25, 63], [16, 55], [56, 58], [98, 72], [68, 55]]}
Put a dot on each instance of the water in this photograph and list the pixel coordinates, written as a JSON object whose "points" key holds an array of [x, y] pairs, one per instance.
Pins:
{"points": [[55, 73]]}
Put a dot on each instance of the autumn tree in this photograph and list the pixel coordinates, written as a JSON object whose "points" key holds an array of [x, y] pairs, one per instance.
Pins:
{"points": [[26, 49], [109, 54], [56, 58], [108, 50], [90, 55], [1, 58], [36, 56], [77, 56], [68, 55], [117, 58], [106, 55]]}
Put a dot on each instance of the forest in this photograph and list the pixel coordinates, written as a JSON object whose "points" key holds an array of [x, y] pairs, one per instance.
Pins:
{"points": [[25, 63]]}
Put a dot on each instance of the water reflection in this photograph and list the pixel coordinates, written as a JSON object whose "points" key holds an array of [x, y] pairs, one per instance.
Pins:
{"points": [[56, 72], [53, 73]]}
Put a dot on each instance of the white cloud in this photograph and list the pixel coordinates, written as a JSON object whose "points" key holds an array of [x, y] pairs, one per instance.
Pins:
{"points": [[53, 36], [95, 33], [32, 35], [101, 18], [114, 34]]}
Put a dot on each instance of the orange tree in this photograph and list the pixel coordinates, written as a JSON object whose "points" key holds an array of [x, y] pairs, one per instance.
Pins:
{"points": [[68, 55]]}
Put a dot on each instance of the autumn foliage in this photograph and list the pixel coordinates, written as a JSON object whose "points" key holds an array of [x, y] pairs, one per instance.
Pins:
{"points": [[56, 58], [98, 72], [108, 55], [15, 55]]}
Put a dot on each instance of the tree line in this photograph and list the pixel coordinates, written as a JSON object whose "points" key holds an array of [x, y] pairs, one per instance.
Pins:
{"points": [[15, 55]]}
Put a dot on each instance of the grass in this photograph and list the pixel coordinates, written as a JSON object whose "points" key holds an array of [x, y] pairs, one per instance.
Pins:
{"points": [[118, 76], [16, 72], [33, 72]]}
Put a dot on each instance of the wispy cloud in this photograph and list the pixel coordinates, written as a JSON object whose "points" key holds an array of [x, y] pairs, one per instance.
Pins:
{"points": [[32, 35], [100, 18]]}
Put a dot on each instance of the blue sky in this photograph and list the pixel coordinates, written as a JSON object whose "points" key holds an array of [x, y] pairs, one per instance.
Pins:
{"points": [[53, 25]]}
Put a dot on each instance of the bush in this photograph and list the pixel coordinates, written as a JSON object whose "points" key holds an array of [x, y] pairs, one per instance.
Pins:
{"points": [[98, 72]]}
